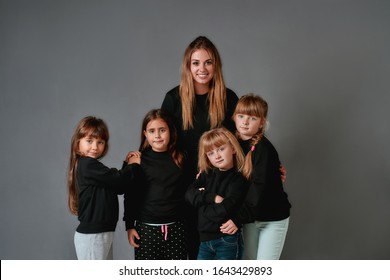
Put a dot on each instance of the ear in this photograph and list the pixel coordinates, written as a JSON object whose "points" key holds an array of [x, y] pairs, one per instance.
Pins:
{"points": [[262, 123]]}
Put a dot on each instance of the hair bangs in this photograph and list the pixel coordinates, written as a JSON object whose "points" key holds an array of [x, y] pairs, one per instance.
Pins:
{"points": [[248, 107]]}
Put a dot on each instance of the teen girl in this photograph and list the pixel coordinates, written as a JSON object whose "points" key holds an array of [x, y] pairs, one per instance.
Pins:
{"points": [[154, 206], [265, 213], [218, 194], [93, 190]]}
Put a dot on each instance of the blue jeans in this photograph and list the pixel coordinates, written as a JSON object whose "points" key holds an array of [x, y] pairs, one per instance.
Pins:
{"points": [[264, 240], [228, 247]]}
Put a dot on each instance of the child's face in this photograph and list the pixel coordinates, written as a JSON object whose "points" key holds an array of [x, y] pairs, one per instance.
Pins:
{"points": [[202, 67], [222, 157], [157, 135], [91, 147], [247, 125]]}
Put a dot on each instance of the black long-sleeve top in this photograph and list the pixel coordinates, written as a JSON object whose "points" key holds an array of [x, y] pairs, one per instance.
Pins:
{"points": [[98, 188], [157, 192], [266, 199], [231, 185], [188, 140]]}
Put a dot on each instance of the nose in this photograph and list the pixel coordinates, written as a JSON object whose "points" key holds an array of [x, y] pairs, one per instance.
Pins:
{"points": [[246, 120], [157, 135]]}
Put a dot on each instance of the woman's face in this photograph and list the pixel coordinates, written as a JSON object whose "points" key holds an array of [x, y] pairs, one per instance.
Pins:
{"points": [[202, 68]]}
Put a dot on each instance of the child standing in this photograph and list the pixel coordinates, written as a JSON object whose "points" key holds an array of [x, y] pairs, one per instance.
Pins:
{"points": [[93, 190], [266, 211], [154, 207], [218, 193]]}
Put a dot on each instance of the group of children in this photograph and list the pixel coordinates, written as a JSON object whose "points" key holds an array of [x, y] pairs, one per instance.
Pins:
{"points": [[243, 211]]}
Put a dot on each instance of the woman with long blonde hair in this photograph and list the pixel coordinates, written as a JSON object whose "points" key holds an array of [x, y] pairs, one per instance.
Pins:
{"points": [[201, 102]]}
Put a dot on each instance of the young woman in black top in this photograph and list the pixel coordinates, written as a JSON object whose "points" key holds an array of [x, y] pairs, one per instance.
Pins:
{"points": [[201, 102]]}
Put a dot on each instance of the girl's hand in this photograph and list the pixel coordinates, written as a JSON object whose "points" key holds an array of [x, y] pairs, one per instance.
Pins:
{"points": [[218, 199], [133, 157], [283, 173], [229, 227], [132, 235]]}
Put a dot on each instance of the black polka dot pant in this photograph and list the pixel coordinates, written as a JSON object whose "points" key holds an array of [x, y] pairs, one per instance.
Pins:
{"points": [[161, 242]]}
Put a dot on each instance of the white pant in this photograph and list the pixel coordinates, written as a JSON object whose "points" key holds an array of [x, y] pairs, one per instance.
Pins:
{"points": [[94, 246], [264, 240]]}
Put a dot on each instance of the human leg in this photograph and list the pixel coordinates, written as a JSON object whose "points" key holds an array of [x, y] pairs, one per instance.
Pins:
{"points": [[271, 239], [250, 235], [94, 246], [229, 247]]}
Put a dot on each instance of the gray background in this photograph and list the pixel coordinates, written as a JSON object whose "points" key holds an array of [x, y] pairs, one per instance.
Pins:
{"points": [[323, 66]]}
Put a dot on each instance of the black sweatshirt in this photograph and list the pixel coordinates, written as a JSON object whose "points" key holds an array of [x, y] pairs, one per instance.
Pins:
{"points": [[157, 192], [98, 188], [188, 140], [231, 185], [266, 199]]}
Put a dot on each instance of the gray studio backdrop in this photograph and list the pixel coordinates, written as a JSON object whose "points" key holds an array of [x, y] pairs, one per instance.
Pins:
{"points": [[323, 66]]}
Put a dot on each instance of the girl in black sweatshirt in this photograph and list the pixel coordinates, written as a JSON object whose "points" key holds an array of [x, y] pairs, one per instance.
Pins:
{"points": [[266, 211], [154, 205], [93, 190], [218, 193]]}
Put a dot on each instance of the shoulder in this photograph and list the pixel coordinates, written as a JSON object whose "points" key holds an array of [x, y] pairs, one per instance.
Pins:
{"points": [[87, 164], [265, 147], [231, 99], [171, 100], [173, 93], [231, 94]]}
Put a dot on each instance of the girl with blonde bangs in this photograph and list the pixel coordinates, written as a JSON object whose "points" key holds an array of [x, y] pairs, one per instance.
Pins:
{"points": [[214, 139], [266, 210], [218, 193]]}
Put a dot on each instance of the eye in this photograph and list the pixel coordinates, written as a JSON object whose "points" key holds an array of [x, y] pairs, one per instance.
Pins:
{"points": [[162, 130], [254, 119], [101, 142], [195, 63], [209, 62], [209, 154]]}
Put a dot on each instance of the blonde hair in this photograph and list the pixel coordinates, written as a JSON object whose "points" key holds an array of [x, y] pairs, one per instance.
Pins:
{"points": [[96, 128], [215, 138], [252, 105], [217, 93]]}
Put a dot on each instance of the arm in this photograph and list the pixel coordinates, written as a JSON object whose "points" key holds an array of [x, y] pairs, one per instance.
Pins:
{"points": [[230, 203], [96, 173]]}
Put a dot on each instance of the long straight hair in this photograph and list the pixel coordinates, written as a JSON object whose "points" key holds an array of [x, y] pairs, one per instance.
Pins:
{"points": [[217, 92], [215, 138], [252, 105], [172, 149], [88, 126]]}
